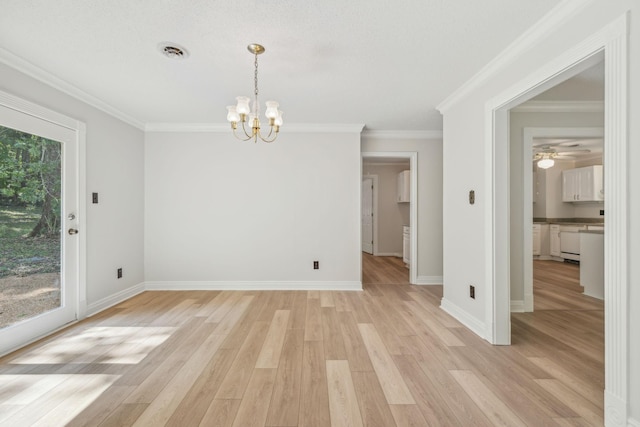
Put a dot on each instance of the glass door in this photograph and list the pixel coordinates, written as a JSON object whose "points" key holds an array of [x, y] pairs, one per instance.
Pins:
{"points": [[38, 227]]}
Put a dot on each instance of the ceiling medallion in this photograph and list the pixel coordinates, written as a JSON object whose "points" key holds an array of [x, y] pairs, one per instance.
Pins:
{"points": [[243, 113]]}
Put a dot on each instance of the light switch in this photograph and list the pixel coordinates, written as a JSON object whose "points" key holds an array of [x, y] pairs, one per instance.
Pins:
{"points": [[472, 197]]}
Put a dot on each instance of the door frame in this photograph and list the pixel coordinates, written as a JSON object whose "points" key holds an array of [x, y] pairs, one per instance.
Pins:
{"points": [[79, 302], [374, 209], [611, 42], [529, 134], [412, 156]]}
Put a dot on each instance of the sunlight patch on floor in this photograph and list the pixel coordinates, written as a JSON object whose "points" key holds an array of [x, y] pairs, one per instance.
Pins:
{"points": [[106, 344], [48, 399]]}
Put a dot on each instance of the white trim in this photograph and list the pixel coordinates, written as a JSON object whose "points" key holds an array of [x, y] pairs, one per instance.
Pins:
{"points": [[252, 286], [429, 280], [374, 203], [395, 254], [474, 324], [413, 206], [612, 39], [632, 422], [402, 134], [560, 107], [226, 128], [44, 76], [115, 299], [78, 128], [517, 306], [81, 189], [553, 20], [528, 135]]}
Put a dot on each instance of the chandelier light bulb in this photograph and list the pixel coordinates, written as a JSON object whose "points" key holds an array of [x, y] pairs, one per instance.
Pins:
{"points": [[272, 110], [278, 120], [243, 105], [233, 115]]}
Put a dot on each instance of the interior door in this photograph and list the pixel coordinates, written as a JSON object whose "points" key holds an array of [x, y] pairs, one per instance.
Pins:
{"points": [[51, 152], [367, 215]]}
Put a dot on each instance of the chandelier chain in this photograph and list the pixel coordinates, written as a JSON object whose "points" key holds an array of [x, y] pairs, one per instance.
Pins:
{"points": [[255, 76]]}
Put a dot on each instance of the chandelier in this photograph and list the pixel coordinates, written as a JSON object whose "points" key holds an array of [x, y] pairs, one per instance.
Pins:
{"points": [[545, 160], [242, 113]]}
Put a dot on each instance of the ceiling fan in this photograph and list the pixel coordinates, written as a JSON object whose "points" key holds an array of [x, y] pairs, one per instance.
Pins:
{"points": [[545, 154]]}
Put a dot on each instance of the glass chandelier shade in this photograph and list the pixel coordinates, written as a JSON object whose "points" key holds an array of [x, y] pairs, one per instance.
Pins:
{"points": [[245, 113]]}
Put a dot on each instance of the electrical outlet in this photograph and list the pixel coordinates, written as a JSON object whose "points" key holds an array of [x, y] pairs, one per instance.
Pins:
{"points": [[316, 265], [602, 212], [472, 197], [120, 273], [94, 197], [472, 291]]}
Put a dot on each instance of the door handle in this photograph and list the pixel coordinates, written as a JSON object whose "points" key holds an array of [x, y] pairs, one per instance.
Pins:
{"points": [[73, 231]]}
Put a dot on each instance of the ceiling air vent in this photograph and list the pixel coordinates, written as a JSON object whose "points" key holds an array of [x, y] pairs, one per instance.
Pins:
{"points": [[173, 50]]}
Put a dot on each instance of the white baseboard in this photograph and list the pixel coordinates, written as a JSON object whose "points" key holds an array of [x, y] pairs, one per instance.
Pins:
{"points": [[465, 318], [252, 286], [517, 306], [395, 254], [114, 299], [429, 280], [615, 412]]}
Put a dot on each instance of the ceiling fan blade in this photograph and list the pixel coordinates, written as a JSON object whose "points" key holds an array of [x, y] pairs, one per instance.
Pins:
{"points": [[564, 157], [574, 151]]}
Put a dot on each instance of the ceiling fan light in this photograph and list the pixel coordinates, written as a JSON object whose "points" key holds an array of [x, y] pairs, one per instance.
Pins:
{"points": [[545, 163]]}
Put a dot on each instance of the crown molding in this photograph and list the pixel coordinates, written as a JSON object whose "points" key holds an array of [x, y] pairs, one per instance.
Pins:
{"points": [[226, 128], [560, 107], [556, 18], [46, 77], [402, 134]]}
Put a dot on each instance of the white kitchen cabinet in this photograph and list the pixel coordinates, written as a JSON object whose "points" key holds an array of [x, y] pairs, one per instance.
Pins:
{"points": [[554, 240], [583, 184], [404, 189], [536, 239]]}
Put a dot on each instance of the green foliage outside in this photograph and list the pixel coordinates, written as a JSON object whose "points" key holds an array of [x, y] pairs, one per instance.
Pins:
{"points": [[29, 204]]}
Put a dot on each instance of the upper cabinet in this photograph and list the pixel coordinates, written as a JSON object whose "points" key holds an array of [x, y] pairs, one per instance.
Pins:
{"points": [[583, 184], [404, 182]]}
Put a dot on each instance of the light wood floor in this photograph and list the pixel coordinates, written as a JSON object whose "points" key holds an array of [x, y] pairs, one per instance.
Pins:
{"points": [[386, 356]]}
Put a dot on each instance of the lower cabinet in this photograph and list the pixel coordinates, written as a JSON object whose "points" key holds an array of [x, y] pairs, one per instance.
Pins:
{"points": [[554, 240], [536, 239]]}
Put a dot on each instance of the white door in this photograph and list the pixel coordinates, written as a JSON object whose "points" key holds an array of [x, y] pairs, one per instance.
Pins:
{"points": [[52, 153], [367, 215]]}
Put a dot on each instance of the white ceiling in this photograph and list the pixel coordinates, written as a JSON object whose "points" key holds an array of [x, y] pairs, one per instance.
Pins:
{"points": [[382, 63]]}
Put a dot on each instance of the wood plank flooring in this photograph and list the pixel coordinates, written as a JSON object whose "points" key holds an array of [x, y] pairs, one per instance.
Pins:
{"points": [[387, 356]]}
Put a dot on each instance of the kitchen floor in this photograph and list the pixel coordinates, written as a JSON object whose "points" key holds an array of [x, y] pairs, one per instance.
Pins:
{"points": [[383, 269]]}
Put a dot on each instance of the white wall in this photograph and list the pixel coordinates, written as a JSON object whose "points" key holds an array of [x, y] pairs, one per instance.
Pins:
{"points": [[429, 221], [222, 211], [391, 214], [465, 234], [114, 164]]}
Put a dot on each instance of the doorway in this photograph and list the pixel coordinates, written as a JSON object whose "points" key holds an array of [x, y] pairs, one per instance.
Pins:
{"points": [[39, 221], [610, 42], [384, 169]]}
